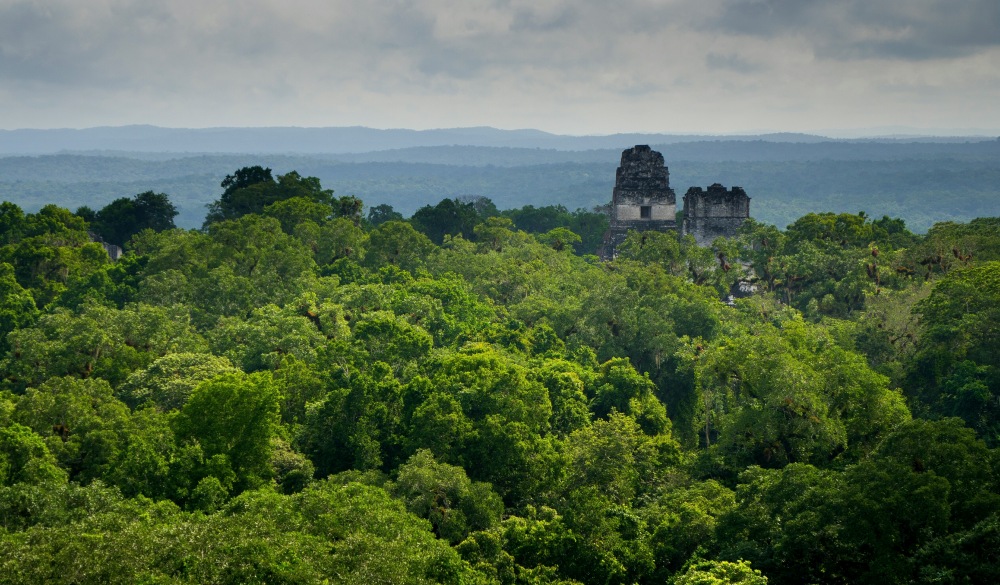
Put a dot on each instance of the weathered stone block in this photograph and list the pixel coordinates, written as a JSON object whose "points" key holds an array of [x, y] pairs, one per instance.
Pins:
{"points": [[715, 212], [642, 199]]}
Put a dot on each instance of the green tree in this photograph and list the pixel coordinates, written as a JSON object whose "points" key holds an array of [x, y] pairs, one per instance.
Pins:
{"points": [[617, 459], [538, 220], [720, 573], [98, 341], [444, 495], [397, 243], [233, 417], [246, 177], [338, 239], [146, 457], [12, 223], [649, 247], [382, 213], [121, 219], [683, 524], [261, 341], [292, 470], [49, 250], [950, 450], [619, 388], [17, 307], [450, 217], [83, 423], [776, 396], [55, 226], [252, 189], [168, 382], [862, 525], [296, 211], [565, 382], [538, 548], [390, 339], [560, 239], [356, 425], [968, 556], [24, 458], [352, 534], [956, 370], [843, 229], [348, 207], [252, 263]]}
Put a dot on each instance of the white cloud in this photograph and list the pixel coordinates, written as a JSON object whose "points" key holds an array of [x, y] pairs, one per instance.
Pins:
{"points": [[562, 65]]}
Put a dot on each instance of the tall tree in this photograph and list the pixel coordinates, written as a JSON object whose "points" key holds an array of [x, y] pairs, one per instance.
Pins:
{"points": [[245, 177], [382, 213], [252, 189], [233, 419], [121, 219], [956, 370], [450, 217]]}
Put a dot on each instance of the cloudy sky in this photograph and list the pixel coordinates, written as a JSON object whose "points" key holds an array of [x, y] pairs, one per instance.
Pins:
{"points": [[567, 66]]}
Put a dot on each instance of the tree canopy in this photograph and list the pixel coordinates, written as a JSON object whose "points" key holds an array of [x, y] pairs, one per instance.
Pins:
{"points": [[295, 393], [121, 219]]}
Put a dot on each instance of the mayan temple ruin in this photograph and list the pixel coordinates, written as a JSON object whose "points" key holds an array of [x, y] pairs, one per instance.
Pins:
{"points": [[715, 212], [643, 200]]}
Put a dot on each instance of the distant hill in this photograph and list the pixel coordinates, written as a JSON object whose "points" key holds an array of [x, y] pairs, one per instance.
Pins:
{"points": [[921, 181], [328, 140], [678, 153]]}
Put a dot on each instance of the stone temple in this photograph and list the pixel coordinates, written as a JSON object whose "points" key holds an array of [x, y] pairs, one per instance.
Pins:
{"points": [[715, 212], [643, 200]]}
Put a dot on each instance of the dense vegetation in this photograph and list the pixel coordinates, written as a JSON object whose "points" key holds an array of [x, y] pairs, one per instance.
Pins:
{"points": [[300, 393]]}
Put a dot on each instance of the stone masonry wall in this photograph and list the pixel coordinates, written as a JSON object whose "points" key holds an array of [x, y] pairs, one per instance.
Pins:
{"points": [[642, 179], [642, 198], [715, 212]]}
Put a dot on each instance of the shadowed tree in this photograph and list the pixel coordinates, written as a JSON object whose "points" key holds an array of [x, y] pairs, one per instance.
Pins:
{"points": [[121, 219], [382, 213], [252, 189], [450, 217]]}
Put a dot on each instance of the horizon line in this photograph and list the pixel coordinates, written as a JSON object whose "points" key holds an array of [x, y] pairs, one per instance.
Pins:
{"points": [[878, 132]]}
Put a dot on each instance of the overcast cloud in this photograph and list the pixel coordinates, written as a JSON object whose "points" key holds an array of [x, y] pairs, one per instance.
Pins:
{"points": [[566, 66]]}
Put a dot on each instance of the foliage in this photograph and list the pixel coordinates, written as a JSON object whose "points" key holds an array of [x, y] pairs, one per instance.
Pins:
{"points": [[448, 218], [827, 517], [252, 189], [121, 219], [956, 370], [233, 418], [721, 573], [382, 213], [444, 495], [168, 382], [296, 395]]}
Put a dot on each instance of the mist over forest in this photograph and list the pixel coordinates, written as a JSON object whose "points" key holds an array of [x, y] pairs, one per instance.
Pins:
{"points": [[920, 180]]}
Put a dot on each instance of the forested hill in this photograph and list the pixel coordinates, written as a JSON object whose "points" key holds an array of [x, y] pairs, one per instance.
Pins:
{"points": [[361, 139], [302, 392], [921, 182], [325, 140]]}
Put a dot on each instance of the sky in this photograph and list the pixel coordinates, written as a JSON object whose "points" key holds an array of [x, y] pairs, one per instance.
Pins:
{"points": [[565, 66]]}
